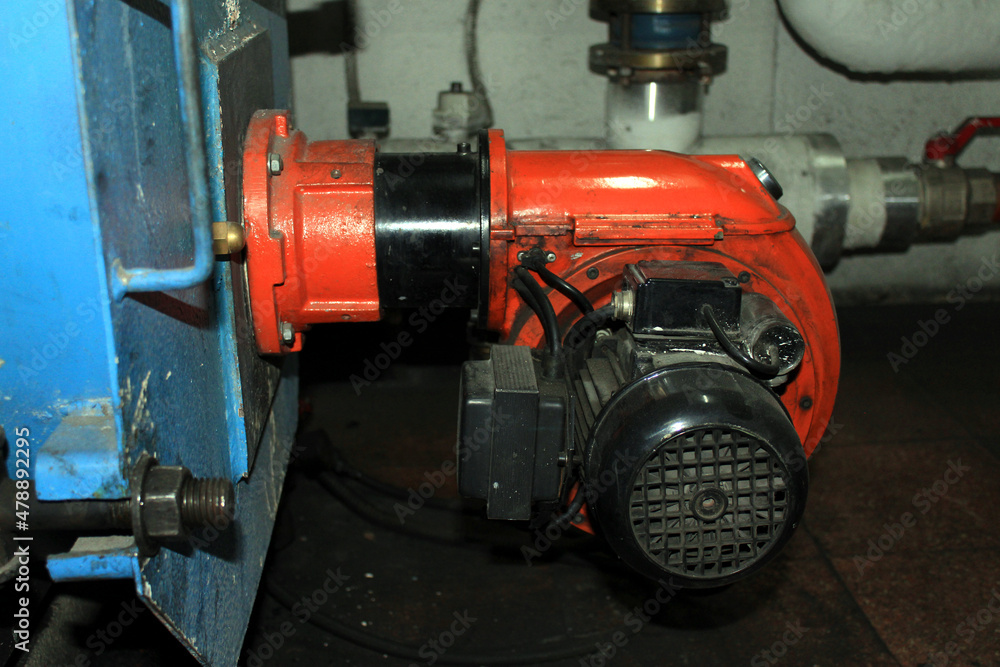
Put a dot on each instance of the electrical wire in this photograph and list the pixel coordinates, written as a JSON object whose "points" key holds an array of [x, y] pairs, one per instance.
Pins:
{"points": [[566, 518], [351, 76], [545, 312], [587, 326], [472, 59], [337, 628], [733, 350], [559, 283], [475, 531], [344, 469], [385, 518], [568, 650], [351, 59]]}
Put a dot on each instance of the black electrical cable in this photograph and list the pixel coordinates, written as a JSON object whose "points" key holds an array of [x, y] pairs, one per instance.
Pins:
{"points": [[344, 469], [587, 326], [382, 517], [559, 283], [472, 60], [529, 298], [477, 532], [566, 519], [373, 642], [545, 312], [733, 350]]}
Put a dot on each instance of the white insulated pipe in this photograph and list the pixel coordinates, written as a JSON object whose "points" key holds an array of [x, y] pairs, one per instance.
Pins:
{"points": [[900, 36], [664, 115]]}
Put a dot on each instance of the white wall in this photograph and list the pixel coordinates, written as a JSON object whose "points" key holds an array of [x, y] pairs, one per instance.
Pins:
{"points": [[534, 58]]}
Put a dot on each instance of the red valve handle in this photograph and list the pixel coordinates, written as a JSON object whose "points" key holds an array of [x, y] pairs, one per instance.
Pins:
{"points": [[947, 146]]}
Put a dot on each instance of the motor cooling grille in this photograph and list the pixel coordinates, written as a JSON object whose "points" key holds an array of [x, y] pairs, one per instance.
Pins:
{"points": [[709, 503]]}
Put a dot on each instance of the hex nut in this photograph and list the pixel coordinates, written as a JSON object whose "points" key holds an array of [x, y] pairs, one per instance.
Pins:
{"points": [[161, 502], [287, 333], [275, 164]]}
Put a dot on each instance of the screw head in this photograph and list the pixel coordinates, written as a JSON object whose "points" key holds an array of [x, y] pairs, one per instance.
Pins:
{"points": [[744, 277], [287, 333], [336, 173], [274, 164], [592, 273], [550, 257]]}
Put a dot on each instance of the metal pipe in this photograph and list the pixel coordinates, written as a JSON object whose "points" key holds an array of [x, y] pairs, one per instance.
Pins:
{"points": [[664, 115], [883, 204], [888, 37]]}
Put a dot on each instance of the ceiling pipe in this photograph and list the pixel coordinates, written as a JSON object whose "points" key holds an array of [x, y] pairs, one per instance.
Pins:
{"points": [[893, 37]]}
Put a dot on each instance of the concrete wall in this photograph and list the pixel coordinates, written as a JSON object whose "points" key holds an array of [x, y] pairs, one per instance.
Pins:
{"points": [[534, 58]]}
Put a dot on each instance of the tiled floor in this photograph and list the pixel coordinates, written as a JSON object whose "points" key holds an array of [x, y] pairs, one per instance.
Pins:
{"points": [[895, 563]]}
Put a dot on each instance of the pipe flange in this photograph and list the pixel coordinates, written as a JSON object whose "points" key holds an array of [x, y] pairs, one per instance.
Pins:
{"points": [[602, 9], [617, 63]]}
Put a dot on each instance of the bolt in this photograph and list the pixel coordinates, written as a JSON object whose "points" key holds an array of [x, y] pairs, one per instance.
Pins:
{"points": [[520, 256], [465, 147], [456, 86], [287, 333], [336, 173], [744, 277], [167, 502], [806, 403], [550, 257], [274, 164], [592, 273], [206, 501]]}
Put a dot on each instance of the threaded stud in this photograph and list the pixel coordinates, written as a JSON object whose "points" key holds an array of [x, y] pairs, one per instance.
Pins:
{"points": [[206, 501]]}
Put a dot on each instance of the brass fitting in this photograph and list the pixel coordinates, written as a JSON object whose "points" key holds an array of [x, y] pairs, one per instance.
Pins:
{"points": [[227, 238]]}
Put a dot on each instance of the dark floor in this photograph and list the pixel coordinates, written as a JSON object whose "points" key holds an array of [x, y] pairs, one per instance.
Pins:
{"points": [[896, 562]]}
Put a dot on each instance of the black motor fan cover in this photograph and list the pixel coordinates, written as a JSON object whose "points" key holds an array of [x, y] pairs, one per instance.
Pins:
{"points": [[695, 472]]}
